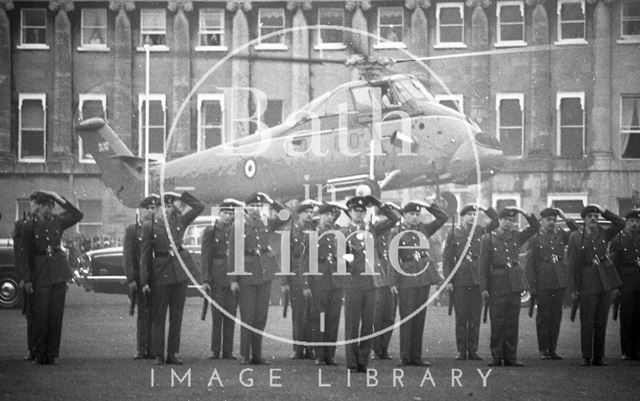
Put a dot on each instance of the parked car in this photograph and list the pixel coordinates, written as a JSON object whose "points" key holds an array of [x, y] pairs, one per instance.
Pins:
{"points": [[10, 294]]}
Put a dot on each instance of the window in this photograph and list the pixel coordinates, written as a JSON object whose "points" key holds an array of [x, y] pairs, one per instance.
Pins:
{"points": [[510, 23], [450, 25], [570, 203], [390, 26], [210, 120], [509, 116], [571, 21], [211, 32], [273, 114], [32, 139], [153, 27], [91, 223], [157, 123], [327, 37], [502, 200], [23, 208], [271, 20], [631, 20], [89, 106], [94, 28], [453, 101], [33, 28], [630, 126], [570, 124]]}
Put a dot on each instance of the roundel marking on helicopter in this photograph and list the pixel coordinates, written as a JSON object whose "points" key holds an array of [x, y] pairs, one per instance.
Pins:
{"points": [[250, 168]]}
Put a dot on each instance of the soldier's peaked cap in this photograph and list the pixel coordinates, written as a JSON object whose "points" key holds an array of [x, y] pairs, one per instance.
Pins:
{"points": [[42, 198], [325, 208], [549, 212], [256, 198], [468, 208], [170, 196], [33, 196], [305, 205], [229, 203], [633, 214], [589, 209], [152, 199], [358, 202], [412, 207], [507, 212]]}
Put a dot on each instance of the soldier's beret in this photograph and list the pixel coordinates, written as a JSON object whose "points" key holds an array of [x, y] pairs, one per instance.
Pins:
{"points": [[33, 196], [549, 212], [468, 208], [325, 208], [169, 196], [256, 198], [633, 214], [229, 204], [507, 212], [589, 209], [42, 198], [150, 200], [412, 207], [358, 202]]}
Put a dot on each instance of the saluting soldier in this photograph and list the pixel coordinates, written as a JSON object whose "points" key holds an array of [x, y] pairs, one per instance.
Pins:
{"points": [[300, 295], [326, 288], [27, 306], [360, 287], [412, 283], [217, 261], [593, 277], [625, 249], [260, 265], [161, 273], [502, 279], [548, 277], [386, 301], [46, 271], [131, 257], [465, 284]]}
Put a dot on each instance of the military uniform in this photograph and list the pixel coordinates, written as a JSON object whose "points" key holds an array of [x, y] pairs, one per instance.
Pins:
{"points": [[360, 290], [548, 279], [503, 278], [467, 300], [326, 290], [255, 288], [46, 266], [27, 306], [625, 249], [131, 254], [414, 285], [386, 302], [217, 254], [162, 271], [593, 276]]}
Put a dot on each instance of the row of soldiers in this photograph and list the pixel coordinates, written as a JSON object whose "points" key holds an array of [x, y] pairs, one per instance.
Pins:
{"points": [[484, 261]]}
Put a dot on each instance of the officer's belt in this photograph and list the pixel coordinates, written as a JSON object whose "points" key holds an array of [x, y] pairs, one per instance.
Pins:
{"points": [[42, 253], [164, 252], [326, 259], [256, 252]]}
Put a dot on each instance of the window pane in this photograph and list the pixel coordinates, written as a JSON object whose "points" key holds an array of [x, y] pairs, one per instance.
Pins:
{"points": [[334, 102], [94, 36], [571, 12], [212, 137], [392, 34], [156, 113], [630, 110], [34, 17], [573, 206], [503, 203], [631, 28], [94, 17], [333, 17], [451, 34], [32, 114], [271, 17], [510, 14], [571, 142], [272, 39], [572, 30], [511, 140], [273, 115], [92, 108], [511, 32], [391, 16], [570, 111], [451, 104], [212, 112], [631, 9], [34, 35], [212, 19], [156, 140], [153, 20], [32, 143], [450, 15], [510, 113], [23, 208]]}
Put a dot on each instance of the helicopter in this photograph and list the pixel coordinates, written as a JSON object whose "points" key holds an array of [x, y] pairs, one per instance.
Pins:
{"points": [[383, 130]]}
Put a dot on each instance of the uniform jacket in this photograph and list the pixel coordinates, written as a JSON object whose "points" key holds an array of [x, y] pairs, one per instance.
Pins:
{"points": [[500, 270], [416, 261], [131, 252], [590, 269], [625, 252], [159, 265], [327, 262], [468, 273], [43, 260], [356, 245], [17, 245], [546, 267], [298, 253], [217, 254]]}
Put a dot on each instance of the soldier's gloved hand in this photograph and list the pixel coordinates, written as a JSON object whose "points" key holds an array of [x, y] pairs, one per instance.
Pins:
{"points": [[306, 293], [133, 284], [146, 289], [207, 288], [28, 287], [234, 286], [560, 213], [449, 287], [286, 288], [485, 295], [394, 290]]}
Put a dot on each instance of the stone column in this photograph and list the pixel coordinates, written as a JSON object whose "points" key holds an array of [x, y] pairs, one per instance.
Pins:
{"points": [[5, 83], [62, 99], [300, 49], [539, 139], [481, 96], [599, 133], [180, 143], [240, 71], [121, 118], [358, 42]]}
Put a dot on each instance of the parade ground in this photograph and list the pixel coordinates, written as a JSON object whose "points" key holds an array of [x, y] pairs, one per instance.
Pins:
{"points": [[98, 344]]}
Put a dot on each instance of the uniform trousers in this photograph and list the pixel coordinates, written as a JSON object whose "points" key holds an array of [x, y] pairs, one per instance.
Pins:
{"points": [[385, 315], [48, 310], [143, 323], [594, 309], [504, 310], [467, 302], [168, 296], [359, 305], [411, 331], [254, 308], [548, 318], [221, 326], [327, 303], [301, 311], [630, 322]]}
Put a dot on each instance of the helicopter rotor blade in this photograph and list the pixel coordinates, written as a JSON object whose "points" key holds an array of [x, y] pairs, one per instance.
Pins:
{"points": [[306, 60]]}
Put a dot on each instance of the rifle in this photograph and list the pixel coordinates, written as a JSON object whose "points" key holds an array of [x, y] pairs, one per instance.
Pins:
{"points": [[205, 307], [532, 303]]}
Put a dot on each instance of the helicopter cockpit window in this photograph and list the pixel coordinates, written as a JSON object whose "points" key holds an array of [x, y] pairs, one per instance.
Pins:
{"points": [[410, 89], [365, 97], [334, 102]]}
